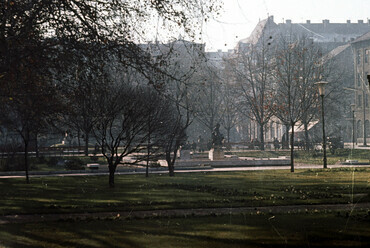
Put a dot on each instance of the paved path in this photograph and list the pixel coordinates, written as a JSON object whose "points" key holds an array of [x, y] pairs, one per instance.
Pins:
{"points": [[31, 218], [164, 170]]}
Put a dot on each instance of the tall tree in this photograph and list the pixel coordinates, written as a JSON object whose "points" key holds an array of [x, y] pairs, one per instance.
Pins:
{"points": [[179, 87], [297, 68], [252, 67], [120, 127], [209, 96]]}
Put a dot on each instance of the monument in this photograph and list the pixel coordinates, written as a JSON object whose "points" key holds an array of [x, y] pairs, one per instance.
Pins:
{"points": [[184, 152], [216, 152]]}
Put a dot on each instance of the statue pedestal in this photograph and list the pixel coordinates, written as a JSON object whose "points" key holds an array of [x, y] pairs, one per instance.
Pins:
{"points": [[216, 154], [185, 154]]}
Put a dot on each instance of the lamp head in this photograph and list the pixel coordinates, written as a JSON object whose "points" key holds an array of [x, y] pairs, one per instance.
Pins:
{"points": [[321, 86], [353, 107]]}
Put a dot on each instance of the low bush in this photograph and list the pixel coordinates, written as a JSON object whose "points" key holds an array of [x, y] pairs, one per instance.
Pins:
{"points": [[52, 161], [74, 164]]}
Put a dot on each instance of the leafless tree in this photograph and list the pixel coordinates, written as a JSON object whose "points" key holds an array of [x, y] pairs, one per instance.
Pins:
{"points": [[121, 121], [297, 68], [209, 96], [179, 87], [230, 115], [252, 67]]}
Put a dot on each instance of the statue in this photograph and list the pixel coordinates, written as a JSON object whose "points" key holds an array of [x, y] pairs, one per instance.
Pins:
{"points": [[217, 137]]}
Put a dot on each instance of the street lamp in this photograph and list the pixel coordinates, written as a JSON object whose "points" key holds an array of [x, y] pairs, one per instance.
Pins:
{"points": [[321, 86], [353, 108]]}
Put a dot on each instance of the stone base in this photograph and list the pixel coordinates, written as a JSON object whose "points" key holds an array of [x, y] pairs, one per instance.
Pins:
{"points": [[185, 155], [216, 154]]}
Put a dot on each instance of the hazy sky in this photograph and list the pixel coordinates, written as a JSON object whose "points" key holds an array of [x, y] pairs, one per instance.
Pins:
{"points": [[239, 17]]}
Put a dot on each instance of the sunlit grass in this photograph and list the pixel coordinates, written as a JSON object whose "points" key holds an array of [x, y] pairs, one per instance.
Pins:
{"points": [[196, 190]]}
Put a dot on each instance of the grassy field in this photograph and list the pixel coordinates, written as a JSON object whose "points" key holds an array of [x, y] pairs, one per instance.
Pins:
{"points": [[311, 157], [312, 229], [193, 190], [199, 190]]}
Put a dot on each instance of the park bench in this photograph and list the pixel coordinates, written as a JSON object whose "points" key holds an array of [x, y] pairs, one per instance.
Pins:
{"points": [[93, 166]]}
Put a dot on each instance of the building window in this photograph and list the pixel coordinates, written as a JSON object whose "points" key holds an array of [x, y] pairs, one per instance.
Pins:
{"points": [[367, 101], [367, 55], [359, 101], [358, 57], [358, 79], [359, 129]]}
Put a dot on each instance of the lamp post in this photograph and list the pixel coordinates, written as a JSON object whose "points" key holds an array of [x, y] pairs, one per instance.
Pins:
{"points": [[321, 86], [353, 108]]}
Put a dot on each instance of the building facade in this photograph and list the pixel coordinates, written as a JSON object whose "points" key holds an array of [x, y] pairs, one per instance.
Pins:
{"points": [[361, 51], [335, 40]]}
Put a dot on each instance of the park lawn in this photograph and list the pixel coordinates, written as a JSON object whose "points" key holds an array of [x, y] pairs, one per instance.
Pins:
{"points": [[312, 157], [308, 229], [185, 190]]}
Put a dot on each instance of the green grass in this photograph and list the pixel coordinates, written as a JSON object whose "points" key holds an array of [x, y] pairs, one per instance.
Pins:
{"points": [[310, 229], [190, 190], [311, 157]]}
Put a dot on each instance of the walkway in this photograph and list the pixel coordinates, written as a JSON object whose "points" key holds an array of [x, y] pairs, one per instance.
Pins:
{"points": [[163, 170]]}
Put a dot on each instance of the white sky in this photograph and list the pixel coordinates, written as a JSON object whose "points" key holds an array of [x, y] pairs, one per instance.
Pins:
{"points": [[239, 17]]}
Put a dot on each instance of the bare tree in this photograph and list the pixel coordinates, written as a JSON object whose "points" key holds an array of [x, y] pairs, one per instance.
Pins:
{"points": [[30, 29], [30, 102], [178, 86], [230, 115], [297, 68], [209, 96], [252, 67], [120, 128]]}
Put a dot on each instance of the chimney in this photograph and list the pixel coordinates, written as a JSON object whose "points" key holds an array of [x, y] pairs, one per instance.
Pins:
{"points": [[360, 21], [308, 21], [325, 22], [348, 21], [271, 18], [288, 21]]}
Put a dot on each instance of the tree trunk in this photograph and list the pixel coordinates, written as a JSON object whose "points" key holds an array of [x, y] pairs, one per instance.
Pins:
{"points": [[171, 163], [37, 146], [86, 144], [306, 138], [262, 145], [292, 149], [148, 157], [286, 145], [112, 170], [26, 160], [78, 140]]}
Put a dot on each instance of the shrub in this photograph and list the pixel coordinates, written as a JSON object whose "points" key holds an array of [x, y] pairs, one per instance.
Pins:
{"points": [[94, 158], [74, 164], [342, 152], [52, 161], [155, 165]]}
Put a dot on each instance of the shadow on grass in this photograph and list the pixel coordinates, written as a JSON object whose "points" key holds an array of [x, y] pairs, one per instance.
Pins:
{"points": [[243, 230]]}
